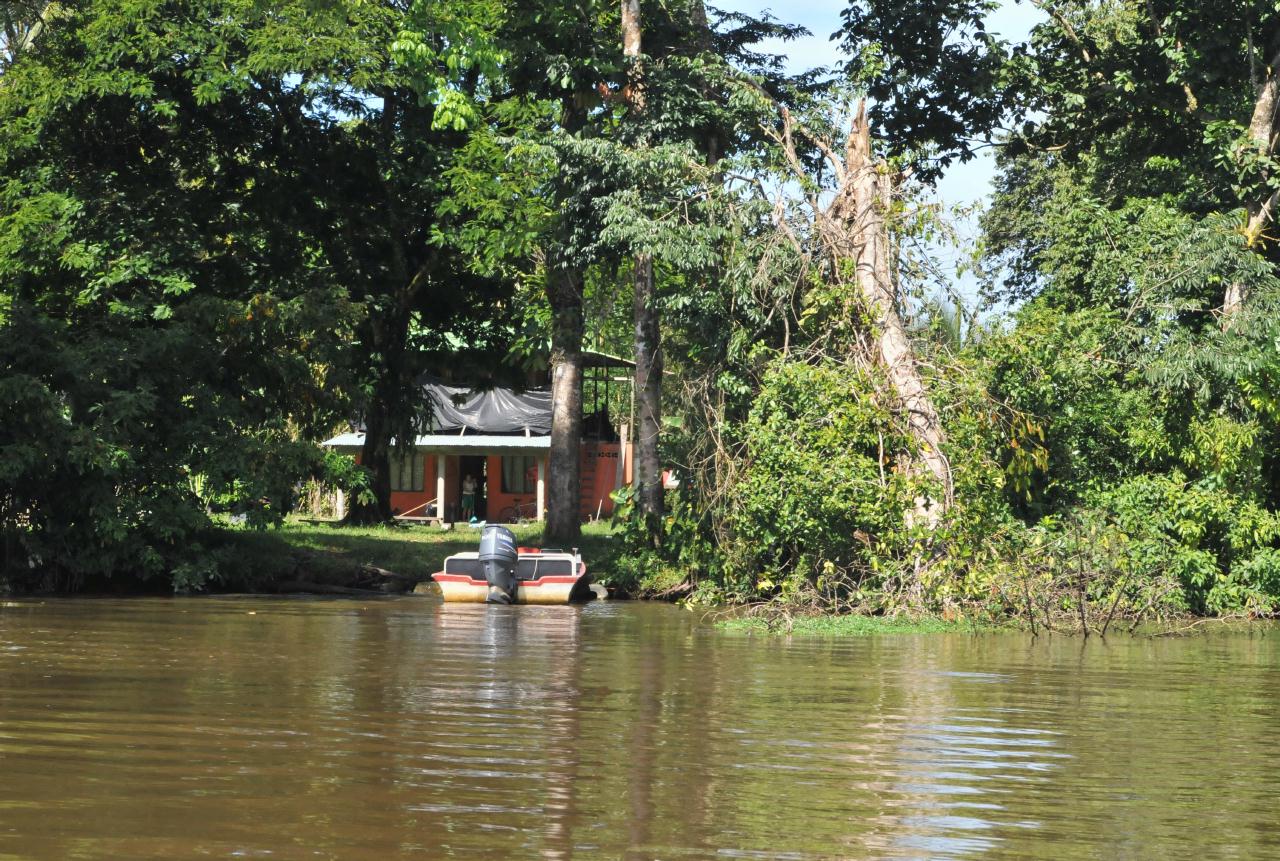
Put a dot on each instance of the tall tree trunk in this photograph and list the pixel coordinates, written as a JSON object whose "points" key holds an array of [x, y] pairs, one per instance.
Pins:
{"points": [[383, 415], [648, 464], [648, 324], [868, 187], [564, 291], [702, 39], [389, 412], [632, 33], [375, 456]]}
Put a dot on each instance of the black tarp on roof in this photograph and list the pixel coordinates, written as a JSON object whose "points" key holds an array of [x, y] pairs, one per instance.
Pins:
{"points": [[497, 411]]}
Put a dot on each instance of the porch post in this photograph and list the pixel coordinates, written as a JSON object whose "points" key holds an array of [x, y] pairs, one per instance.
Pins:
{"points": [[440, 488], [542, 485]]}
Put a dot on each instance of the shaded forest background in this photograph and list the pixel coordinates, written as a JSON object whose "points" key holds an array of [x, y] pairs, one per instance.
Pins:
{"points": [[227, 228]]}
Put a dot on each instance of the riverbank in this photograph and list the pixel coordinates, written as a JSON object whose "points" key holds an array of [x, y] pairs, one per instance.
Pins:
{"points": [[852, 625], [780, 623], [326, 557]]}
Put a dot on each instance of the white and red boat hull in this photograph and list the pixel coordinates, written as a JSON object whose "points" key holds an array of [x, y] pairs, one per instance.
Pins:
{"points": [[562, 580]]}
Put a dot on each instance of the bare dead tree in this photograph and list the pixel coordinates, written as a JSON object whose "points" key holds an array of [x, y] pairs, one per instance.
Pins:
{"points": [[1264, 134], [853, 233], [21, 22]]}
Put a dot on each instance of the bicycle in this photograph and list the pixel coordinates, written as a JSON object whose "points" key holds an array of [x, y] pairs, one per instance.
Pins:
{"points": [[520, 512]]}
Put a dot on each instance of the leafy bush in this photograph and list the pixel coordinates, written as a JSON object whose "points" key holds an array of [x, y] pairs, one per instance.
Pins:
{"points": [[821, 500], [1223, 546], [815, 511]]}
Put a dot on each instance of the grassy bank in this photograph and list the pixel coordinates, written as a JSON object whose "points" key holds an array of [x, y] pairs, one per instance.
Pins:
{"points": [[852, 626], [327, 553]]}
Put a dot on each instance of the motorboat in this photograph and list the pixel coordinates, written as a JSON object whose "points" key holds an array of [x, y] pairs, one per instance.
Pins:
{"points": [[503, 573]]}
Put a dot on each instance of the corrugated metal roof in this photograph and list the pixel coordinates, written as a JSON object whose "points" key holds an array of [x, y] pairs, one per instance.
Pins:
{"points": [[448, 443]]}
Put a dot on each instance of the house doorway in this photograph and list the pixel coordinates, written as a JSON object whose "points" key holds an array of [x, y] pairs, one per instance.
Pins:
{"points": [[475, 467]]}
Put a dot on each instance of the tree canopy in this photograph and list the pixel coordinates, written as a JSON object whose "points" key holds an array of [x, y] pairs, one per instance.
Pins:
{"points": [[228, 229]]}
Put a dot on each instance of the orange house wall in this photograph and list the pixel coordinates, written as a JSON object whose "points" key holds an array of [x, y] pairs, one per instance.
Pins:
{"points": [[404, 500], [605, 456], [596, 498], [493, 488]]}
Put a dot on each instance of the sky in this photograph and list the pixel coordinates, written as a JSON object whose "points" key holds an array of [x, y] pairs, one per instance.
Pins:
{"points": [[962, 184]]}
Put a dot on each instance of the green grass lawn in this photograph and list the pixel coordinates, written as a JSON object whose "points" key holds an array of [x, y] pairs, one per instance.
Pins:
{"points": [[324, 551]]}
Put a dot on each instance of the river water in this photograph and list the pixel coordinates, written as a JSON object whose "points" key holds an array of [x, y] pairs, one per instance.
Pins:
{"points": [[404, 728]]}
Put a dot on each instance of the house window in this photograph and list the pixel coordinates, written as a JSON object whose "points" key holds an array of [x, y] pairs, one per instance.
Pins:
{"points": [[407, 472], [519, 474]]}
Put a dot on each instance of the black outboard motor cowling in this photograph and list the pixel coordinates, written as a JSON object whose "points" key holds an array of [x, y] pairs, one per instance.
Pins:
{"points": [[498, 559]]}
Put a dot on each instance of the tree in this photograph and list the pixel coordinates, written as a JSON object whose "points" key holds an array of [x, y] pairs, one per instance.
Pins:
{"points": [[687, 109], [613, 182], [648, 325], [1131, 219], [413, 79], [539, 111], [934, 76], [254, 253], [170, 337]]}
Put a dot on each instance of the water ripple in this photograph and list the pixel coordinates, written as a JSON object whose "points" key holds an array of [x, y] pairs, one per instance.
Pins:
{"points": [[390, 729]]}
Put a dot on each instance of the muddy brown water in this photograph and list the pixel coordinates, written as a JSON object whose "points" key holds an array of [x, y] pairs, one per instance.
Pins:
{"points": [[403, 728]]}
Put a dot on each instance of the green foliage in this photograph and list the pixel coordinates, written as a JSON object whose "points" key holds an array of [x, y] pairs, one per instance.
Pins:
{"points": [[812, 512], [443, 43], [933, 73], [1052, 367], [1160, 93], [1219, 546], [819, 505], [172, 336], [1153, 428]]}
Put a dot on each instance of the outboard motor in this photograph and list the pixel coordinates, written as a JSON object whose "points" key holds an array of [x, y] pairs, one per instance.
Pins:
{"points": [[498, 559]]}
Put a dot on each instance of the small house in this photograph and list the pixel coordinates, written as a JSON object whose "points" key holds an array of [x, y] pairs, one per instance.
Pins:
{"points": [[500, 439]]}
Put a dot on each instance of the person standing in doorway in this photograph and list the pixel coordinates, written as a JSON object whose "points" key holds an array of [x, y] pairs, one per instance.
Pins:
{"points": [[469, 497]]}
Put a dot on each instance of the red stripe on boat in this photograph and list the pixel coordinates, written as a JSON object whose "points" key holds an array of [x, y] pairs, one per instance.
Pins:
{"points": [[463, 578]]}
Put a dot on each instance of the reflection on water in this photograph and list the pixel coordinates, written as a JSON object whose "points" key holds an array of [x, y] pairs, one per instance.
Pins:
{"points": [[390, 729]]}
